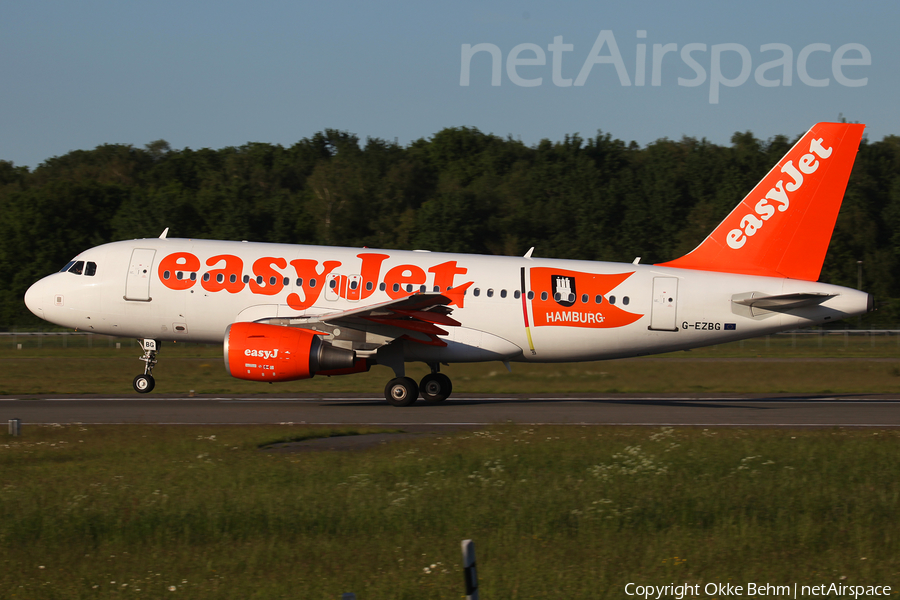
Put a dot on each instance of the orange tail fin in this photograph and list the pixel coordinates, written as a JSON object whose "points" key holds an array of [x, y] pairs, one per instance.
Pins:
{"points": [[783, 227]]}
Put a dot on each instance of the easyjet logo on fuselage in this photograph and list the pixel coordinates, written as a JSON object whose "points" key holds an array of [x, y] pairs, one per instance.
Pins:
{"points": [[271, 274], [779, 194]]}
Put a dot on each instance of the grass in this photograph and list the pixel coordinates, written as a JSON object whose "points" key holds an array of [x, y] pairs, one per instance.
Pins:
{"points": [[783, 363], [556, 512]]}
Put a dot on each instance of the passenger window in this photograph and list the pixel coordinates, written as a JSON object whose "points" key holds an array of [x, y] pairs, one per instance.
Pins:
{"points": [[503, 293], [382, 286], [90, 269], [557, 296], [354, 284], [544, 296], [531, 295], [422, 289], [612, 299], [369, 286], [409, 287], [517, 294], [625, 300], [193, 277], [286, 281], [312, 283], [332, 284], [598, 299], [166, 274], [299, 282], [490, 293], [396, 287], [246, 279], [476, 292], [179, 275], [273, 280], [77, 268], [437, 288], [233, 278], [220, 278], [259, 280], [584, 298], [206, 277], [571, 298]]}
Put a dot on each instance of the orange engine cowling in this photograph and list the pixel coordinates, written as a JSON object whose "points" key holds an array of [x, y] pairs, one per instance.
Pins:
{"points": [[260, 352]]}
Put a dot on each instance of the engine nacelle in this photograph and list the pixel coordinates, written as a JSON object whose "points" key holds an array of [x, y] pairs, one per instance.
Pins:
{"points": [[260, 352]]}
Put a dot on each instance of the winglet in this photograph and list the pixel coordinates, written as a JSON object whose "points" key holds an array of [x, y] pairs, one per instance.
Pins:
{"points": [[457, 295], [783, 227]]}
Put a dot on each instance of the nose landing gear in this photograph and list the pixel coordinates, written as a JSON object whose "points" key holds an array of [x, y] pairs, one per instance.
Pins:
{"points": [[145, 383]]}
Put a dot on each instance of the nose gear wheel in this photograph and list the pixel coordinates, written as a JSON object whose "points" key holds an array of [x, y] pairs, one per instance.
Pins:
{"points": [[144, 384]]}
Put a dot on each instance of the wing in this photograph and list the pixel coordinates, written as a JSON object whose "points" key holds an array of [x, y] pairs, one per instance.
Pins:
{"points": [[420, 317]]}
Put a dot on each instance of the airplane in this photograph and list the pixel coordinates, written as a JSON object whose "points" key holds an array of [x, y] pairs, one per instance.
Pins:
{"points": [[287, 312]]}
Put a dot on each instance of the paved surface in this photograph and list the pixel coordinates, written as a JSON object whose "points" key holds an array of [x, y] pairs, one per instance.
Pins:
{"points": [[617, 409]]}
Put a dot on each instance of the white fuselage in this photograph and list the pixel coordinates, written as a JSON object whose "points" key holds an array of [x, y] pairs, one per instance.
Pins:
{"points": [[591, 311]]}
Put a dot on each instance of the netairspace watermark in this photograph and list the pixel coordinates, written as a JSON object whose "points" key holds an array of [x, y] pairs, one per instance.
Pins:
{"points": [[706, 61], [720, 590]]}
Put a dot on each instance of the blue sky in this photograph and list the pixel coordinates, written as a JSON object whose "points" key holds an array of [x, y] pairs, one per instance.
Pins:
{"points": [[214, 74]]}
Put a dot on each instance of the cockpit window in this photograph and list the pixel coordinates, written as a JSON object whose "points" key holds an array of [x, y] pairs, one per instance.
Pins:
{"points": [[68, 265], [77, 268], [90, 269]]}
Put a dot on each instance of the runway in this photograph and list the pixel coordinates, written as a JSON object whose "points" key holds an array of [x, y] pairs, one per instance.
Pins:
{"points": [[705, 410]]}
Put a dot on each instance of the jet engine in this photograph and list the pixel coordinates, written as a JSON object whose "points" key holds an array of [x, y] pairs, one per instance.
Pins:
{"points": [[260, 352]]}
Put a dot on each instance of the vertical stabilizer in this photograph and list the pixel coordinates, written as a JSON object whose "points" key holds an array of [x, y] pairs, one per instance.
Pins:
{"points": [[783, 227]]}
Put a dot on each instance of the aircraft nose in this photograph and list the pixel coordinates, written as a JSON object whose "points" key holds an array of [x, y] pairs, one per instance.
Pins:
{"points": [[34, 298]]}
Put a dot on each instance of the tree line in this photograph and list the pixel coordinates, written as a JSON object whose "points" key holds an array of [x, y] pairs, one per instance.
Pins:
{"points": [[460, 190]]}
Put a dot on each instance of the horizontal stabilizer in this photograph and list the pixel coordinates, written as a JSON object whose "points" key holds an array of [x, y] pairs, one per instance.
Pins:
{"points": [[757, 303]]}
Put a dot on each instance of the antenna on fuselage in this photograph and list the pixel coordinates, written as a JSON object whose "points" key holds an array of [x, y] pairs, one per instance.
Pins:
{"points": [[528, 254], [163, 235]]}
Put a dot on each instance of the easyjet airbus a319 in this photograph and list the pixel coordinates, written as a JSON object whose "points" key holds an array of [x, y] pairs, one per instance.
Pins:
{"points": [[286, 312]]}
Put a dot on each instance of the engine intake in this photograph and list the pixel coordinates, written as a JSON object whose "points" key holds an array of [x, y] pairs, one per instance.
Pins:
{"points": [[260, 352]]}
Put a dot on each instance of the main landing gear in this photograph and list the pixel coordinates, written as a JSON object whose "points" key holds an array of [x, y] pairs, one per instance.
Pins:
{"points": [[144, 383], [435, 388], [403, 391]]}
